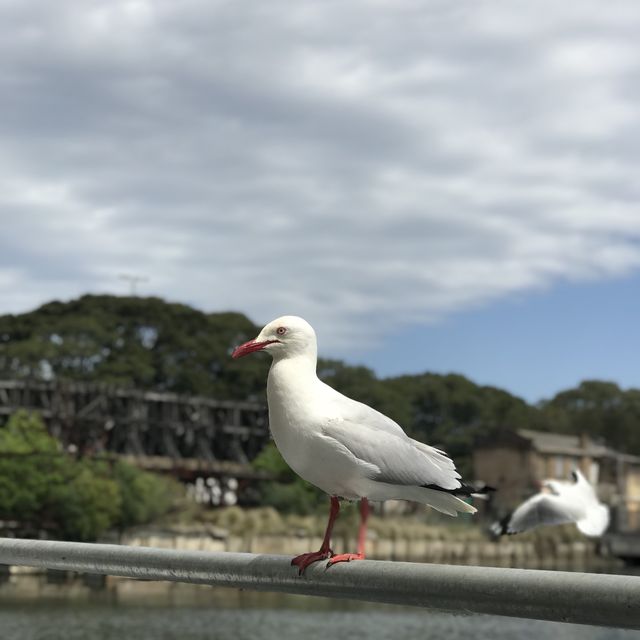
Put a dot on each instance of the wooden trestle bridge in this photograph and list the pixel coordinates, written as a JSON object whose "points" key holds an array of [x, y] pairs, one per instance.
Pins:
{"points": [[188, 436]]}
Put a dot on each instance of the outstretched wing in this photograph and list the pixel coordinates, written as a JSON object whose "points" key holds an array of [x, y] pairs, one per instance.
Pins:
{"points": [[540, 509]]}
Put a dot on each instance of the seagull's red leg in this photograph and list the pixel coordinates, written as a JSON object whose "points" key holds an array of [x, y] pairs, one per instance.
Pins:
{"points": [[362, 538], [304, 560]]}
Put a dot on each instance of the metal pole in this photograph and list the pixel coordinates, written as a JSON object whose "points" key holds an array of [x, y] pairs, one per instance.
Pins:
{"points": [[582, 598]]}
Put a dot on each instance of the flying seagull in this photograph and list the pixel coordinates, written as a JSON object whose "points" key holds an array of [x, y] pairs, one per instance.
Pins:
{"points": [[558, 503], [344, 447]]}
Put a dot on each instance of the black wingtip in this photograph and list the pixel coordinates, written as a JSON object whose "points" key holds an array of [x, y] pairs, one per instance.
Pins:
{"points": [[484, 489], [464, 490], [500, 527]]}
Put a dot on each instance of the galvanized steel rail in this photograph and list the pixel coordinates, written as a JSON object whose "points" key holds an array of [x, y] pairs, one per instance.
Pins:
{"points": [[582, 598]]}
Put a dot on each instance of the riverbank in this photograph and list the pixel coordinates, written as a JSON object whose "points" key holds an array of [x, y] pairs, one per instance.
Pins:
{"points": [[400, 538], [573, 555]]}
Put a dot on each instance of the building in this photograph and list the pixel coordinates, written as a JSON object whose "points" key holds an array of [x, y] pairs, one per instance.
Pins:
{"points": [[517, 461]]}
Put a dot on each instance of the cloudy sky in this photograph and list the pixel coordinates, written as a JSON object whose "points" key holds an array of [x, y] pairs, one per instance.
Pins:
{"points": [[435, 185]]}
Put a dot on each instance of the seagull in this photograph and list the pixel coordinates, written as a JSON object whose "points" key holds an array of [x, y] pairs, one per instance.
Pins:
{"points": [[344, 447], [558, 503]]}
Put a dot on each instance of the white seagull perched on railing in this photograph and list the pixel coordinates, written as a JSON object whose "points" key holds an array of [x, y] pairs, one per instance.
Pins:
{"points": [[558, 503], [344, 447]]}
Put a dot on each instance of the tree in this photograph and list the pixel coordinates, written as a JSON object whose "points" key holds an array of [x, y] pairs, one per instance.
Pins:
{"points": [[152, 344], [130, 341], [144, 496], [289, 493], [44, 488], [599, 409]]}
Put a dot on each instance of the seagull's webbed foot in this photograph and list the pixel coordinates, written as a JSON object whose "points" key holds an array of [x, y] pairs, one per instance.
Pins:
{"points": [[304, 560], [345, 557]]}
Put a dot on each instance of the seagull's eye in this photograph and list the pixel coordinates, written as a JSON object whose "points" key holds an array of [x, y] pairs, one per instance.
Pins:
{"points": [[281, 331]]}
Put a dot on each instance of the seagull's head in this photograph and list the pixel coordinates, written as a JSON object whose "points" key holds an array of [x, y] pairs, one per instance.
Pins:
{"points": [[551, 486], [577, 476], [283, 337], [545, 486]]}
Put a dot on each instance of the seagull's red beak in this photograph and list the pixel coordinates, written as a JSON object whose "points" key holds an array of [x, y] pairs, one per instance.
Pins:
{"points": [[250, 347]]}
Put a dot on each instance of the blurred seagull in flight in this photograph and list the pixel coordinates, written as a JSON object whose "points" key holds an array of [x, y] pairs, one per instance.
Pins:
{"points": [[558, 503], [344, 447]]}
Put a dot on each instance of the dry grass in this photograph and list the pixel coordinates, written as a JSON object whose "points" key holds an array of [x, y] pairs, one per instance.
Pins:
{"points": [[268, 521]]}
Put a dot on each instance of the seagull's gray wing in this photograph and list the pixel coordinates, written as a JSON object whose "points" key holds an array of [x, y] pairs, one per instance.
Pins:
{"points": [[542, 509], [388, 455]]}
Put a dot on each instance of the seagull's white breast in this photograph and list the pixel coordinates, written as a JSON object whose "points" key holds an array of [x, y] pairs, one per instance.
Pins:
{"points": [[299, 406]]}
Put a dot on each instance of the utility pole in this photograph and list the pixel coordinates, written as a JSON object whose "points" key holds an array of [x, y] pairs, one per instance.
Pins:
{"points": [[133, 281]]}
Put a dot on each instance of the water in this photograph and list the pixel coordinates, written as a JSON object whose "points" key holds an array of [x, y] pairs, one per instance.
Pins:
{"points": [[145, 611]]}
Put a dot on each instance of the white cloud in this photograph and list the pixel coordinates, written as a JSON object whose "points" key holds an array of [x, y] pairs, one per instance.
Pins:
{"points": [[363, 165]]}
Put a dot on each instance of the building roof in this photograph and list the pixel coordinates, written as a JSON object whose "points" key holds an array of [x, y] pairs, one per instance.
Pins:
{"points": [[559, 443]]}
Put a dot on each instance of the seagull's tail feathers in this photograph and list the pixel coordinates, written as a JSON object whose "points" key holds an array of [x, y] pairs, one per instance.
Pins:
{"points": [[466, 490], [439, 500], [596, 521], [481, 495], [482, 491]]}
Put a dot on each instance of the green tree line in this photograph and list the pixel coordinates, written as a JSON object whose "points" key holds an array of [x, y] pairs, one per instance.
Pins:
{"points": [[43, 488], [153, 344]]}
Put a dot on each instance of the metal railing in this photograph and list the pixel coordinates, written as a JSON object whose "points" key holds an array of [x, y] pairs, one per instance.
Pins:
{"points": [[582, 598]]}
